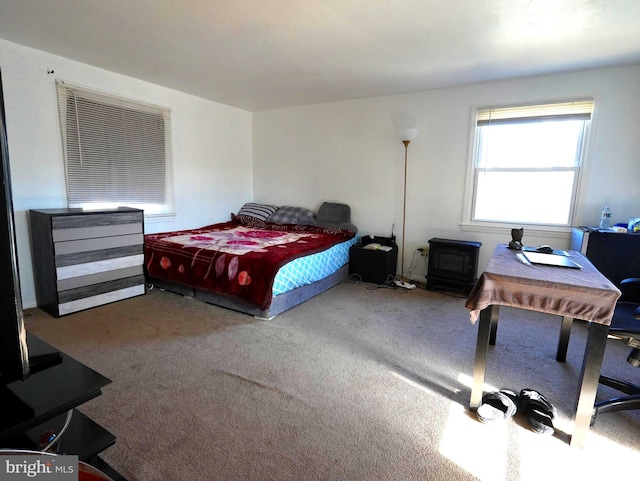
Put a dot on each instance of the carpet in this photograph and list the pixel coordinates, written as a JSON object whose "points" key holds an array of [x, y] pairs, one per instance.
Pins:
{"points": [[358, 383]]}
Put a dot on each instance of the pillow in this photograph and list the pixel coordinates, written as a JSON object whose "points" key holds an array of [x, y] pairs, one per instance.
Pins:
{"points": [[348, 226], [292, 215], [333, 213], [306, 216], [259, 211]]}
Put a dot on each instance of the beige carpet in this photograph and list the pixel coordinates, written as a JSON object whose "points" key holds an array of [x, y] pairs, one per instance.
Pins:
{"points": [[354, 384]]}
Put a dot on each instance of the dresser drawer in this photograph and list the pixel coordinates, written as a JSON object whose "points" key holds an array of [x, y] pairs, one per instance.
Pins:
{"points": [[93, 226], [96, 220]]}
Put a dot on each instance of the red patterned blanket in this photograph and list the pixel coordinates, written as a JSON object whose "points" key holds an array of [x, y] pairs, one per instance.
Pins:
{"points": [[240, 257]]}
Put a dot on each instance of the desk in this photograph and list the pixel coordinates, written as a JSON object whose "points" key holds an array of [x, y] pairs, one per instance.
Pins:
{"points": [[571, 293], [39, 404]]}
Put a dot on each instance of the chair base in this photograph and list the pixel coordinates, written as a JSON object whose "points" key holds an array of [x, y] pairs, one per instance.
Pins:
{"points": [[624, 403]]}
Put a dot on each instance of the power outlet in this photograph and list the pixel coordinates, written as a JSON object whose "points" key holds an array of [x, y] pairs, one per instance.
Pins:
{"points": [[424, 250]]}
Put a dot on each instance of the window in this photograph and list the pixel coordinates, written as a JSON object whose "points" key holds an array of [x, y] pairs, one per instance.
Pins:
{"points": [[526, 163], [117, 152]]}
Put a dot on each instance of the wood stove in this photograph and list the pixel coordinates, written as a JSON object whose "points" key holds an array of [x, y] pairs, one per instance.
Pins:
{"points": [[453, 264]]}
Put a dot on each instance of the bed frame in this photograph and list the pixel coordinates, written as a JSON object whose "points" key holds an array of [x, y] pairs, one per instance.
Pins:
{"points": [[279, 303]]}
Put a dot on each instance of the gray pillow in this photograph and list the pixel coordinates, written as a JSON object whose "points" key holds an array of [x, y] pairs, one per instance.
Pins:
{"points": [[292, 215], [335, 214]]}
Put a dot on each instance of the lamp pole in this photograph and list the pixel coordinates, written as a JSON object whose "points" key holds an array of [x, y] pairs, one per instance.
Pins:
{"points": [[404, 207], [406, 136]]}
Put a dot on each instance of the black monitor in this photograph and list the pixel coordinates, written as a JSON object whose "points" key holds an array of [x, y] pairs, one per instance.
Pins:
{"points": [[14, 355]]}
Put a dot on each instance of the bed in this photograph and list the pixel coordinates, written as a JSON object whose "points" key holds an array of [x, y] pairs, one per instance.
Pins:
{"points": [[259, 266]]}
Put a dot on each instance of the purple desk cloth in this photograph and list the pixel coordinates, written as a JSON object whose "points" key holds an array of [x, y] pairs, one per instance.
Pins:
{"points": [[577, 293]]}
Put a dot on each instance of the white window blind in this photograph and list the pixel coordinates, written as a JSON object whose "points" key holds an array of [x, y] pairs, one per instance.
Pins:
{"points": [[117, 151], [577, 110], [527, 162]]}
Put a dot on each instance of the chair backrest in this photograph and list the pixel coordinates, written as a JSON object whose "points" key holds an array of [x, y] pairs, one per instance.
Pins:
{"points": [[625, 321], [625, 326]]}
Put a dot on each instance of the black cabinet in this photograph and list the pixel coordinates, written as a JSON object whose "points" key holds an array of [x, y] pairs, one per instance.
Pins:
{"points": [[374, 265], [615, 254], [40, 404]]}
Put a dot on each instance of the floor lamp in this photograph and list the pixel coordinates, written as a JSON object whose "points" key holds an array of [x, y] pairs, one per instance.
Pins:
{"points": [[406, 135]]}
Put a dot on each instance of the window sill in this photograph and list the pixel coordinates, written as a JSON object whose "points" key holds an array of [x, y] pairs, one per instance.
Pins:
{"points": [[151, 218], [559, 232]]}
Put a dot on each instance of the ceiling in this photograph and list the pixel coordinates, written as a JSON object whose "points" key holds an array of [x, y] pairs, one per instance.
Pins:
{"points": [[261, 54]]}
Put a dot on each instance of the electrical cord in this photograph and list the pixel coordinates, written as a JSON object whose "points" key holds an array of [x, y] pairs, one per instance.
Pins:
{"points": [[357, 278], [417, 254], [457, 296], [409, 269], [389, 283], [56, 437]]}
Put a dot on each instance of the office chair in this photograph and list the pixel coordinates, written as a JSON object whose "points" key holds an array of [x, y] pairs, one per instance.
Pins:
{"points": [[625, 326]]}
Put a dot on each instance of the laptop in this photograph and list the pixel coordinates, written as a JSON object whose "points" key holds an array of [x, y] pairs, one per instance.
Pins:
{"points": [[551, 260]]}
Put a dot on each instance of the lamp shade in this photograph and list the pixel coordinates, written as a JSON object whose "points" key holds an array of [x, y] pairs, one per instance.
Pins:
{"points": [[407, 134]]}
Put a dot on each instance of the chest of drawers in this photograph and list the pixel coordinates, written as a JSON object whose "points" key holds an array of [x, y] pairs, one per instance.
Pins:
{"points": [[615, 254], [84, 259]]}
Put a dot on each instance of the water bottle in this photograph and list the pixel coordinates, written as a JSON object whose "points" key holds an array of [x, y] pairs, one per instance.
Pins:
{"points": [[605, 219]]}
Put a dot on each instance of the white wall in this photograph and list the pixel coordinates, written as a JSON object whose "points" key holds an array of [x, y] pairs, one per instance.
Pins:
{"points": [[212, 151], [343, 151], [349, 152]]}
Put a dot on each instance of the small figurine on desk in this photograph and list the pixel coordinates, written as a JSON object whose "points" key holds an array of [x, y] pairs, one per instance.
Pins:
{"points": [[516, 239]]}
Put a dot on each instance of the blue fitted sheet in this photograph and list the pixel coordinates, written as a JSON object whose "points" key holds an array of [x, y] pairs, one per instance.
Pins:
{"points": [[312, 268]]}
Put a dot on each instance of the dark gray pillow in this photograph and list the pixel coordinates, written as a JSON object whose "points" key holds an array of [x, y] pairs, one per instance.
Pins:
{"points": [[333, 213]]}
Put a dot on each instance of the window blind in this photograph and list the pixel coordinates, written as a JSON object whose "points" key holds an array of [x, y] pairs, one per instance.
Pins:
{"points": [[117, 151], [576, 110]]}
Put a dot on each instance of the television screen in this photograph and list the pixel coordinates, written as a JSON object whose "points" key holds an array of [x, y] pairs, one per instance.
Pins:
{"points": [[14, 356]]}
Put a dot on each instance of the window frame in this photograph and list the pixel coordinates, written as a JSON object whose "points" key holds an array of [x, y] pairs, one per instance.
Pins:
{"points": [[160, 140], [469, 198]]}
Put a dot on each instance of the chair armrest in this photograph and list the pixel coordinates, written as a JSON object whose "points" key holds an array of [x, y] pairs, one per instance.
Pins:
{"points": [[630, 289]]}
